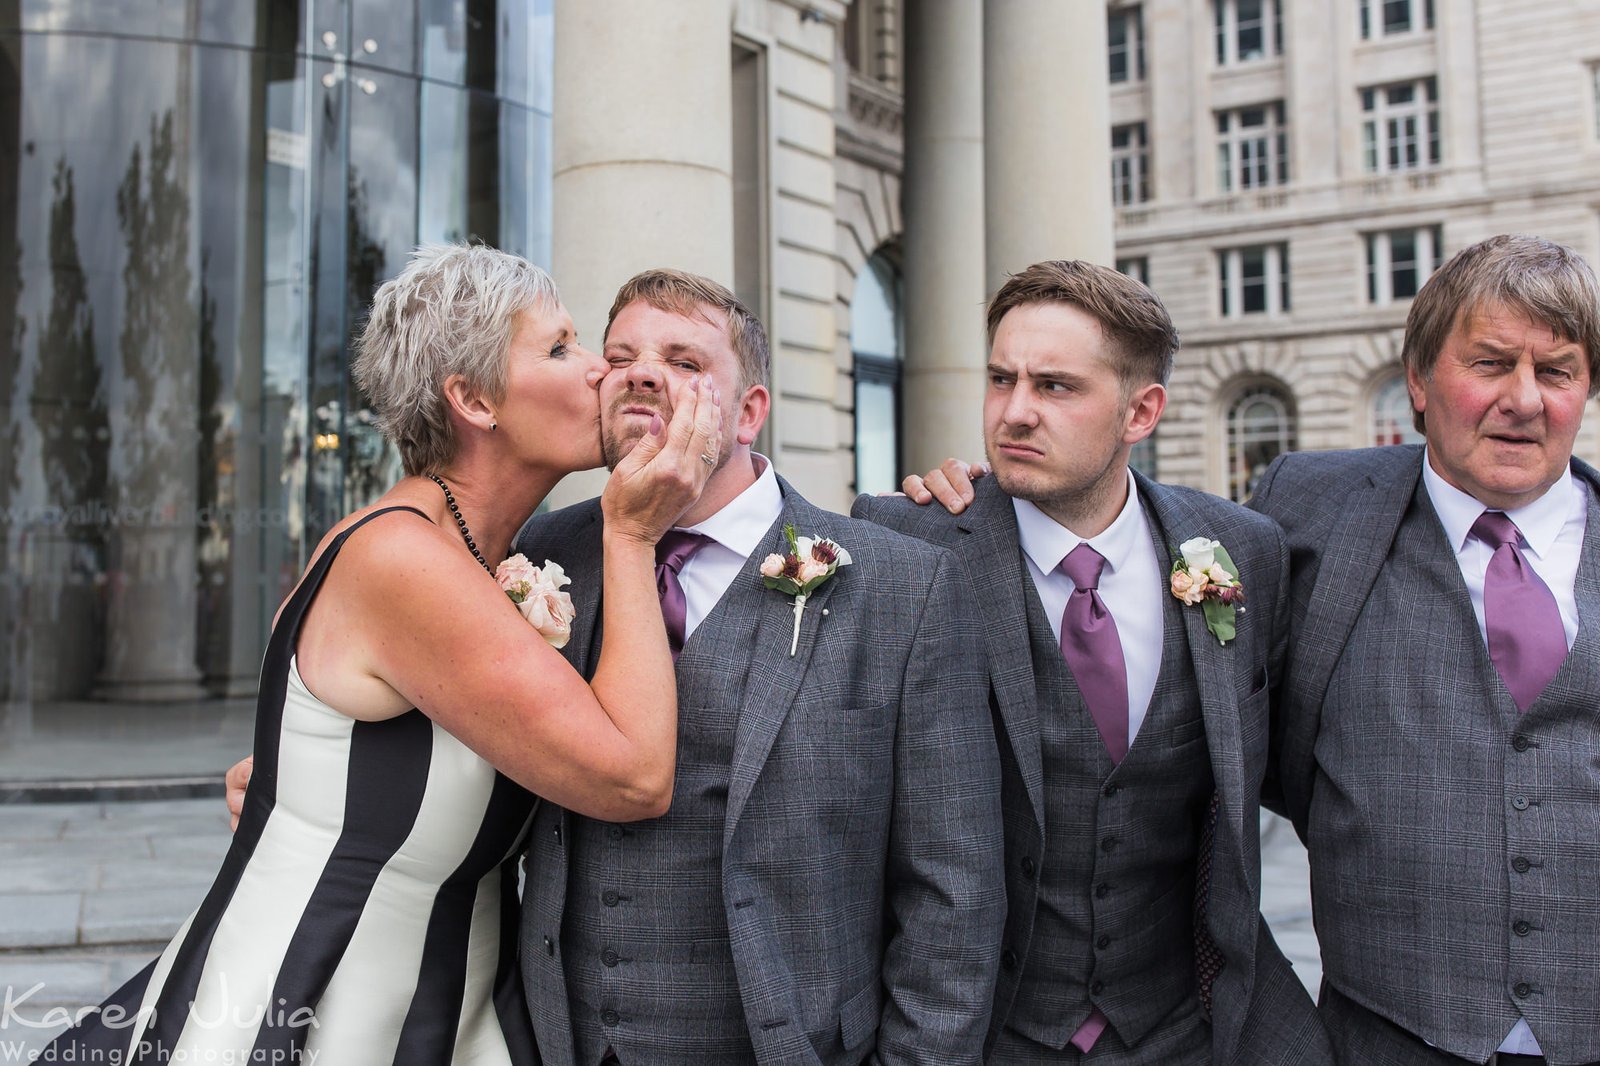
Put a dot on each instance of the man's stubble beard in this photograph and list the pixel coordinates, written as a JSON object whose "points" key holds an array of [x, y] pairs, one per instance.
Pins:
{"points": [[1069, 505], [613, 445]]}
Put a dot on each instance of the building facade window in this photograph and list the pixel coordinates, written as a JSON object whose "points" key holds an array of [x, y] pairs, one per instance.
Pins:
{"points": [[1252, 147], [1400, 260], [1261, 427], [1125, 43], [1136, 267], [876, 329], [1247, 30], [1384, 18], [200, 243], [1254, 280], [1391, 413], [1400, 126], [1130, 165]]}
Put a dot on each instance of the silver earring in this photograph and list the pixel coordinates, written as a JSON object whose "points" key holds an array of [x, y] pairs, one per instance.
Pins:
{"points": [[493, 426]]}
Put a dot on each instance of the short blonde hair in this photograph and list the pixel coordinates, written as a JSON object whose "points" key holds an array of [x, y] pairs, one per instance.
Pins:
{"points": [[452, 310], [682, 293]]}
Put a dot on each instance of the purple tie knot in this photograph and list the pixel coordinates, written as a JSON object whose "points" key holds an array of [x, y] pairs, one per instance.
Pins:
{"points": [[672, 551], [1083, 565], [677, 546], [1496, 529]]}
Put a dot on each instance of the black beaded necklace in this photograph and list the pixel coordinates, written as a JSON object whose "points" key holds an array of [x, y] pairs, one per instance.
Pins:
{"points": [[455, 512]]}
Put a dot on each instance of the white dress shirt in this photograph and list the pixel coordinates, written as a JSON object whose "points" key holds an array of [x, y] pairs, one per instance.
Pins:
{"points": [[735, 531], [1131, 584], [1553, 527]]}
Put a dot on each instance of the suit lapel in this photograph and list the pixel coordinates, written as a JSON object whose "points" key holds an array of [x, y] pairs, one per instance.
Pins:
{"points": [[774, 676], [1355, 552], [1215, 665], [991, 551]]}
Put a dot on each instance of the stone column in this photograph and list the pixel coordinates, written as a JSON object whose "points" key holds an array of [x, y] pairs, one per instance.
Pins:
{"points": [[642, 153], [945, 349], [1047, 128]]}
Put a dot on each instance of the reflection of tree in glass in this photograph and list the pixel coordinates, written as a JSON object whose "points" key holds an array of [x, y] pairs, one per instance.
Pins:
{"points": [[158, 330], [215, 464], [367, 469], [69, 402]]}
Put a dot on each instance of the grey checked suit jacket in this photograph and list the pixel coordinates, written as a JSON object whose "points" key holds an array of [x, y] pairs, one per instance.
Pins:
{"points": [[862, 848], [1261, 1013], [1341, 511]]}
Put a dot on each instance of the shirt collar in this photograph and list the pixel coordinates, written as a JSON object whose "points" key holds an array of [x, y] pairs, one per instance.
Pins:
{"points": [[745, 519], [1047, 541], [1540, 521]]}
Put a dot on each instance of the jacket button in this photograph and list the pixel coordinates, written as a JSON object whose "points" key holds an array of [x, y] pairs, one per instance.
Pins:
{"points": [[1520, 864], [614, 832], [1522, 990], [1112, 789], [610, 897], [1102, 890], [609, 1017], [1103, 942], [1108, 845], [1097, 988], [1520, 803], [610, 957], [1520, 742], [1522, 928], [549, 946], [1027, 865], [1008, 959]]}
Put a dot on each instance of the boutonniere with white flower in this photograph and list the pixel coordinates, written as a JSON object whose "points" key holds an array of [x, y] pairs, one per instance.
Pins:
{"points": [[810, 562], [537, 593], [1204, 574]]}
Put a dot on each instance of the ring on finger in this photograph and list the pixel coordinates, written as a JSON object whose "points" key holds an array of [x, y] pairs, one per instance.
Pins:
{"points": [[708, 459]]}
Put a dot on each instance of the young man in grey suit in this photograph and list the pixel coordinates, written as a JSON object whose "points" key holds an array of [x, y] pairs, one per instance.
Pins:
{"points": [[1132, 774], [1441, 744], [827, 886]]}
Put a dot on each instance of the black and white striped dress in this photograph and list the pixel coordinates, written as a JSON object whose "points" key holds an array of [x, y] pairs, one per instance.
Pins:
{"points": [[365, 913]]}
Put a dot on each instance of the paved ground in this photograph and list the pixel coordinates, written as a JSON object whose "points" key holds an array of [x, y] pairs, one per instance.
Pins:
{"points": [[90, 891]]}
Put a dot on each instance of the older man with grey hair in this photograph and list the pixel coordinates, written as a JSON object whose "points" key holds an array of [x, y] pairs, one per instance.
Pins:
{"points": [[1440, 753]]}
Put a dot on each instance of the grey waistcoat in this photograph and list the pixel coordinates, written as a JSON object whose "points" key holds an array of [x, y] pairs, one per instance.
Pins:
{"points": [[649, 964], [1114, 926], [1455, 843]]}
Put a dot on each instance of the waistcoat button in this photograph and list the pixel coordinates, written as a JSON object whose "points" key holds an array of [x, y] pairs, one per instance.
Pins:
{"points": [[1520, 864]]}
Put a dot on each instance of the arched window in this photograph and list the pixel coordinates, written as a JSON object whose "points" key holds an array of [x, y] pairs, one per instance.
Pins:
{"points": [[1391, 413], [875, 332], [1261, 426]]}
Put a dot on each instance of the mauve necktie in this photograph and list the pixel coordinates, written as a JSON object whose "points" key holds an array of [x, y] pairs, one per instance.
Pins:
{"points": [[1093, 651], [672, 551], [1527, 643]]}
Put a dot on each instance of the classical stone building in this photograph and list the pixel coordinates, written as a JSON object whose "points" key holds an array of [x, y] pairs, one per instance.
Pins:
{"points": [[197, 200], [1287, 173]]}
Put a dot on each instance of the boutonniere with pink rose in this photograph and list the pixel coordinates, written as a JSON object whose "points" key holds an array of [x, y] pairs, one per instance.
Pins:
{"points": [[810, 562], [537, 593], [1204, 574]]}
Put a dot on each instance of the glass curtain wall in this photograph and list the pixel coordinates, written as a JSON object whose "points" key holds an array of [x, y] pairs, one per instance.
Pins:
{"points": [[197, 199]]}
